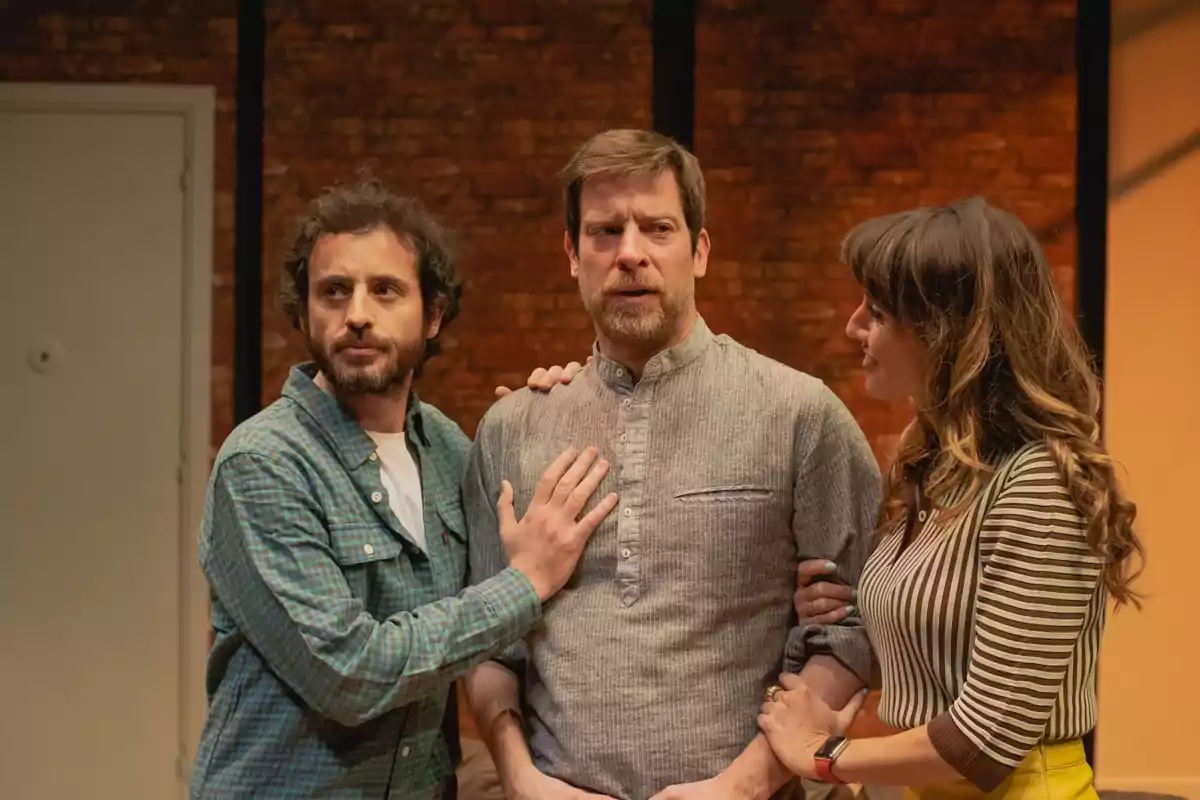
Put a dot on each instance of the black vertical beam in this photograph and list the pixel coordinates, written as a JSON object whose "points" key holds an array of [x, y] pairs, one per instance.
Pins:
{"points": [[1093, 47], [1093, 42], [248, 206], [673, 92]]}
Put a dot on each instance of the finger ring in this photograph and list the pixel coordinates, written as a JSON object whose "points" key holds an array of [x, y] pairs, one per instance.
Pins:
{"points": [[773, 691]]}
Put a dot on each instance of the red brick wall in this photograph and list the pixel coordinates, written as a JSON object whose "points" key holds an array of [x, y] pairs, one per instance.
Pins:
{"points": [[810, 116], [813, 116], [474, 107]]}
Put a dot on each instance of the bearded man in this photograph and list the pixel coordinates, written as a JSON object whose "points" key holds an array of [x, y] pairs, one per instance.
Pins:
{"points": [[334, 540], [646, 675]]}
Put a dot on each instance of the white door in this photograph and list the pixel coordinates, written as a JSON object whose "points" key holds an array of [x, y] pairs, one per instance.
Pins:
{"points": [[93, 223]]}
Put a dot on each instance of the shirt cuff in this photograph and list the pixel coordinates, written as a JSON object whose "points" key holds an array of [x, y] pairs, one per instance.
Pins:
{"points": [[512, 601], [964, 756], [849, 644]]}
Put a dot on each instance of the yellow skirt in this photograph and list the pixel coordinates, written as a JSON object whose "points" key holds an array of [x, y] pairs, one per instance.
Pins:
{"points": [[1050, 772]]}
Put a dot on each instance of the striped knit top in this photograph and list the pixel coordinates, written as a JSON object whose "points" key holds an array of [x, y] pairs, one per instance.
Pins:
{"points": [[987, 625]]}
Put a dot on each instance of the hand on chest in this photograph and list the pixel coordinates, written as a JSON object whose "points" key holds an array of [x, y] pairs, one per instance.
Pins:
{"points": [[704, 499]]}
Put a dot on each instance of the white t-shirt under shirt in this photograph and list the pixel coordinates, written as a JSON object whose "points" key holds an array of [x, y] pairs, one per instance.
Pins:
{"points": [[402, 479]]}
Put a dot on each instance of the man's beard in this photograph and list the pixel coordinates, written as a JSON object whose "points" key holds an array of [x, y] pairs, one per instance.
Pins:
{"points": [[375, 378], [648, 330]]}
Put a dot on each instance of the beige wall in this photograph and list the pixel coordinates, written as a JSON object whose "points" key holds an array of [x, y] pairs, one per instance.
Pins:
{"points": [[1149, 733]]}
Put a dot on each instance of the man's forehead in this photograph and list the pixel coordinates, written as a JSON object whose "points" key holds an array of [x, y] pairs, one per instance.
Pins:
{"points": [[646, 195], [376, 253]]}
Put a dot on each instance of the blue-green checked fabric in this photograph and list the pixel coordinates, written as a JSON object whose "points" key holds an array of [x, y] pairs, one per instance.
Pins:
{"points": [[337, 638]]}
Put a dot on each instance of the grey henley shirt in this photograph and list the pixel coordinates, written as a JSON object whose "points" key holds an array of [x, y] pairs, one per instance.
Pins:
{"points": [[649, 668]]}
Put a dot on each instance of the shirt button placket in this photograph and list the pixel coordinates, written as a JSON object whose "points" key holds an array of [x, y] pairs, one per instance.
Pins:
{"points": [[631, 460]]}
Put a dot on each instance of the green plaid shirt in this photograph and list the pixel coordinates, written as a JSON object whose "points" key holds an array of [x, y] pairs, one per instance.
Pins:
{"points": [[337, 638]]}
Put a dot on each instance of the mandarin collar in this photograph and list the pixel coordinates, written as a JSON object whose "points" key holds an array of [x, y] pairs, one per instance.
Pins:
{"points": [[662, 363]]}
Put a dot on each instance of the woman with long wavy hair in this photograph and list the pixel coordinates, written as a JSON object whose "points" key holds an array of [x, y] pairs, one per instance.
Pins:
{"points": [[1004, 534]]}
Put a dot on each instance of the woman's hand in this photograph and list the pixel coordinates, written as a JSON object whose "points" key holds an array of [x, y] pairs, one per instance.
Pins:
{"points": [[544, 379], [823, 602], [796, 723]]}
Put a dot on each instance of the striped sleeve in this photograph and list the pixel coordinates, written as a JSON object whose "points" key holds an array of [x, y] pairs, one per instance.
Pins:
{"points": [[1039, 580]]}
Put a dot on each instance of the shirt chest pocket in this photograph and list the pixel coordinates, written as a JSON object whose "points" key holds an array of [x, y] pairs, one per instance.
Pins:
{"points": [[371, 559], [732, 493], [454, 539], [739, 530]]}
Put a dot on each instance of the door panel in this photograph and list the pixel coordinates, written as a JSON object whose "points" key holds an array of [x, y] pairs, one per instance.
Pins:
{"points": [[91, 321]]}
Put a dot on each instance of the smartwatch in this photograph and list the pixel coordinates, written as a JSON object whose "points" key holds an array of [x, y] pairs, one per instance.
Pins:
{"points": [[826, 756]]}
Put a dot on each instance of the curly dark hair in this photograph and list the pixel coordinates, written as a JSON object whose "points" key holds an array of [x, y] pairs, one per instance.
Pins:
{"points": [[362, 207]]}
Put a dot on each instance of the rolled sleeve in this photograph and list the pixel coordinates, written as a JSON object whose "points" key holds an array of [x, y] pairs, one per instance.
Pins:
{"points": [[835, 509]]}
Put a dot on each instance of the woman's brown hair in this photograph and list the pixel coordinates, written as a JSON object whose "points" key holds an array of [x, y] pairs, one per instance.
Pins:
{"points": [[1005, 367]]}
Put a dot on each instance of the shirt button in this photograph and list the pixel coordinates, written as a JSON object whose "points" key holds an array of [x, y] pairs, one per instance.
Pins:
{"points": [[368, 549], [404, 751], [620, 373], [373, 457], [626, 402], [624, 438], [629, 512], [625, 553], [921, 515], [376, 497]]}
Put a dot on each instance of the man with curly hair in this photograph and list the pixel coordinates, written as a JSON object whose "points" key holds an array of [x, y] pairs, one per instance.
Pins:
{"points": [[334, 541]]}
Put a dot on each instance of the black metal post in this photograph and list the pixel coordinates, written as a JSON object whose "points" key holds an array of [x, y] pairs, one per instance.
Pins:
{"points": [[248, 206], [1092, 52], [1093, 48], [673, 41]]}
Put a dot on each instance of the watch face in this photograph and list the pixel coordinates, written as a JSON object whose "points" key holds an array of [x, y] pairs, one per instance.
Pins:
{"points": [[831, 745]]}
